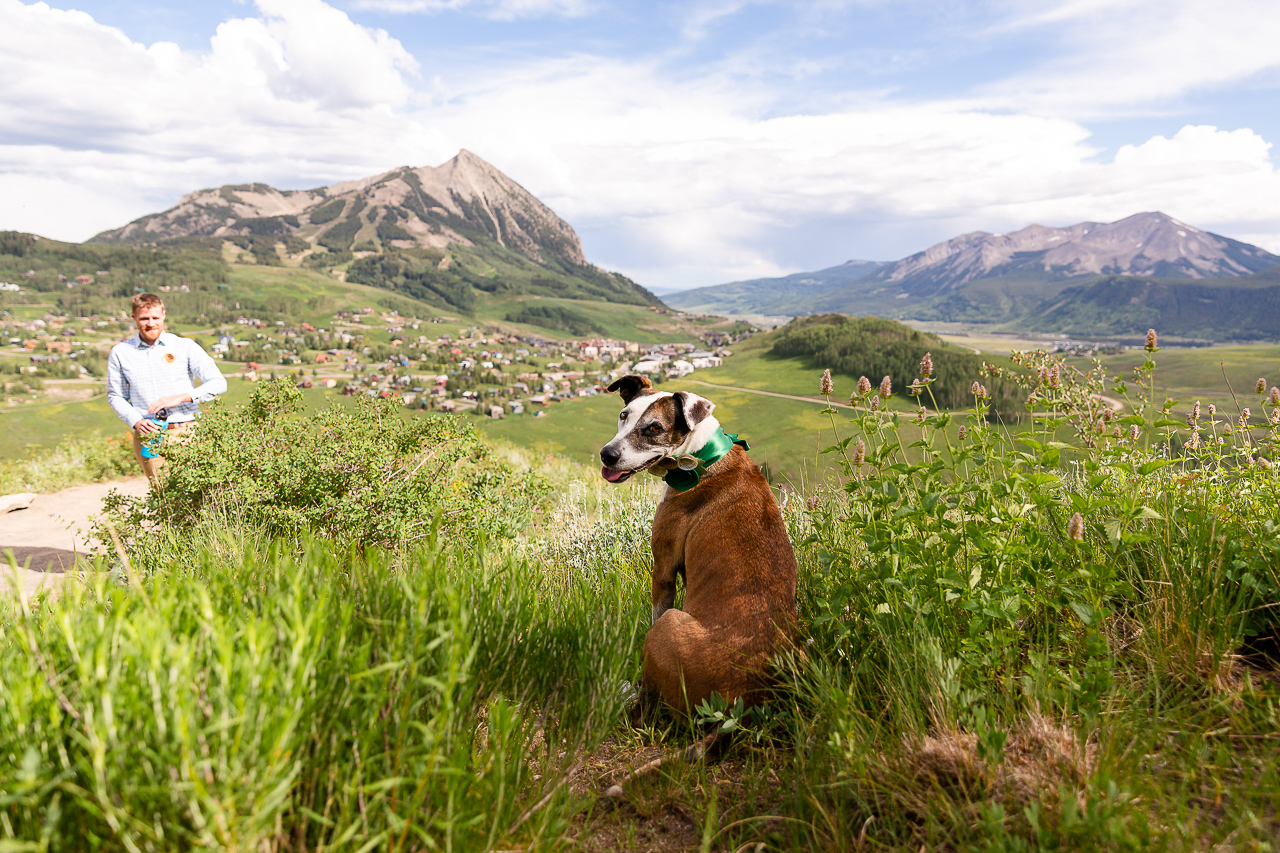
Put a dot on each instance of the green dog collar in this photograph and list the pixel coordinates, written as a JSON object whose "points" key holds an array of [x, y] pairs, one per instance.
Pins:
{"points": [[684, 472]]}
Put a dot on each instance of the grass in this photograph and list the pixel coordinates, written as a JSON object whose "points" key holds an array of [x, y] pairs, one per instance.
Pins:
{"points": [[982, 671]]}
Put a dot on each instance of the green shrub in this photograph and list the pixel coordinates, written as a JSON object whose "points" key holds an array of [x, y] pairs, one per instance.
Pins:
{"points": [[356, 476]]}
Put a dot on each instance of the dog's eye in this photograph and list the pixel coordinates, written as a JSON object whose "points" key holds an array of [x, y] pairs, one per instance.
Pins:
{"points": [[653, 429]]}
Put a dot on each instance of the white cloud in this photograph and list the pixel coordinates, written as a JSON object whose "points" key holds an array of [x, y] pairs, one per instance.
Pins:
{"points": [[501, 10], [675, 180], [1126, 54], [298, 94]]}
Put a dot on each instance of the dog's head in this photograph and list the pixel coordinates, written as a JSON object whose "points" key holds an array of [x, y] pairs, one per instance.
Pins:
{"points": [[654, 424]]}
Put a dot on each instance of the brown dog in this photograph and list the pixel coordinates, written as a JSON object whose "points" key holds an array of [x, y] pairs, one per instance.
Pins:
{"points": [[723, 534]]}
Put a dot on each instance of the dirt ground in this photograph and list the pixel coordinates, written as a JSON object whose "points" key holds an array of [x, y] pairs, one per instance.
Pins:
{"points": [[46, 538]]}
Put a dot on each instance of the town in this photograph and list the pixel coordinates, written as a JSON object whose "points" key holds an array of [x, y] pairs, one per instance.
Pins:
{"points": [[486, 368]]}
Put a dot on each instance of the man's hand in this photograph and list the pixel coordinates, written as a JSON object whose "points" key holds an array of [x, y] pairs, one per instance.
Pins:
{"points": [[166, 402], [145, 426]]}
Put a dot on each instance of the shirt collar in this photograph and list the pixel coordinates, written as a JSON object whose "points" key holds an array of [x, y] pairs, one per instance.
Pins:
{"points": [[138, 342]]}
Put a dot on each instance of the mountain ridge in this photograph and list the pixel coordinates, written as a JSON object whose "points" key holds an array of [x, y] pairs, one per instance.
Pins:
{"points": [[1072, 278], [439, 232]]}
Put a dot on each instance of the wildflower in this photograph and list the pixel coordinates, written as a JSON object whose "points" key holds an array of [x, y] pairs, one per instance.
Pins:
{"points": [[1264, 463], [1055, 376], [1213, 409], [864, 386], [982, 391], [916, 388], [926, 365], [1195, 411], [1193, 443], [1222, 440], [1191, 418], [1275, 396], [825, 387], [1275, 417], [1244, 418], [1106, 415], [1226, 430], [859, 452], [975, 389], [1260, 386], [1075, 527], [1115, 431], [963, 433], [875, 403], [920, 415], [1134, 433], [1151, 340], [886, 388]]}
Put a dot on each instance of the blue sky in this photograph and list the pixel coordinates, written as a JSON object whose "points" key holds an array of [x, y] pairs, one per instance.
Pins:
{"points": [[687, 143]]}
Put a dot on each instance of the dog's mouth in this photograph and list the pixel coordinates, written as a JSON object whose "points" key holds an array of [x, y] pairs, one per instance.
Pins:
{"points": [[615, 475]]}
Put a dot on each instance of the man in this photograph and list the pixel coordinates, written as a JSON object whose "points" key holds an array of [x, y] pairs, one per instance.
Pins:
{"points": [[149, 379]]}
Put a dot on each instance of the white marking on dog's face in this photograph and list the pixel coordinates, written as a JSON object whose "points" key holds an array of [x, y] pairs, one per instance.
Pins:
{"points": [[653, 425]]}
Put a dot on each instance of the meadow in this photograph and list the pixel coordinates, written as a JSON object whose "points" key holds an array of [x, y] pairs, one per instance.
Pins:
{"points": [[1015, 645]]}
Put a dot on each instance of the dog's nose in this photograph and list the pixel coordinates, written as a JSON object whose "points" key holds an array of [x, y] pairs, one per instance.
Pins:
{"points": [[610, 455]]}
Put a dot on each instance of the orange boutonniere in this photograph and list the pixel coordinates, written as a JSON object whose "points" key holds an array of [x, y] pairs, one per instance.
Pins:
{"points": [[168, 357]]}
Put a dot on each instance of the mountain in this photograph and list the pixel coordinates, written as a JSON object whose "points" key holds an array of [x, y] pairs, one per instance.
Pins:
{"points": [[1143, 244], [1091, 279], [770, 295], [447, 228]]}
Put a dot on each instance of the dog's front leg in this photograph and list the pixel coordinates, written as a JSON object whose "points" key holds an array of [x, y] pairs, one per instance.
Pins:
{"points": [[664, 590]]}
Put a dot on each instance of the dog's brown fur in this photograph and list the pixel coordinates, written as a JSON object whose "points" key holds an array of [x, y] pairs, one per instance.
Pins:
{"points": [[727, 539]]}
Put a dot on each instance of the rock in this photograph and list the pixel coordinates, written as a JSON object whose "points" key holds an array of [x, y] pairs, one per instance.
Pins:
{"points": [[10, 503]]}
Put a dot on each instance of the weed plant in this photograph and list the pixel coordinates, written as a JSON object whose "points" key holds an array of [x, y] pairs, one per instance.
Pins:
{"points": [[1030, 643], [93, 459]]}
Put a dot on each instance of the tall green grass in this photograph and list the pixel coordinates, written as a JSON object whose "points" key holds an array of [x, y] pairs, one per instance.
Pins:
{"points": [[308, 700]]}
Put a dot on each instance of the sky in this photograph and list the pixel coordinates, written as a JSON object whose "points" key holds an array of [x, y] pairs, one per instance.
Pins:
{"points": [[688, 143]]}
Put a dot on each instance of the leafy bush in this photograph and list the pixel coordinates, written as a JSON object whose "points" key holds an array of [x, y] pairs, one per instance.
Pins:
{"points": [[361, 476]]}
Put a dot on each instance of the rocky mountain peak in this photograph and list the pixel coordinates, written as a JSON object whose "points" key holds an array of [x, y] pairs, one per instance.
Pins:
{"points": [[462, 201], [1151, 243]]}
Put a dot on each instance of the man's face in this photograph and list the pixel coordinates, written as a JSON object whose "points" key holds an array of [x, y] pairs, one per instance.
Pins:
{"points": [[150, 320]]}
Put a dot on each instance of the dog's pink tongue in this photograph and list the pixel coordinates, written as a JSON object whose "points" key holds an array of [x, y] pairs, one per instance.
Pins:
{"points": [[611, 475]]}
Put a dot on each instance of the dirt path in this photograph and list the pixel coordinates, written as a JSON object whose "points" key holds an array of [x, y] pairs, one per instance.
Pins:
{"points": [[818, 400], [46, 537]]}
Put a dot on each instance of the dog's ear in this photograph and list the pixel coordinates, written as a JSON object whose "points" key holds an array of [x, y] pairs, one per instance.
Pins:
{"points": [[629, 386], [692, 408]]}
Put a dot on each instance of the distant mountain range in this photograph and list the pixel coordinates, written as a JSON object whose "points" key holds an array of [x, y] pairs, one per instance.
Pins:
{"points": [[451, 227], [1086, 279]]}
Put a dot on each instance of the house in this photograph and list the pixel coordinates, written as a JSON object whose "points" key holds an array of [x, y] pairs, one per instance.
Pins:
{"points": [[322, 358], [409, 398], [679, 368], [701, 361], [448, 406], [305, 383], [329, 383], [496, 413], [516, 407]]}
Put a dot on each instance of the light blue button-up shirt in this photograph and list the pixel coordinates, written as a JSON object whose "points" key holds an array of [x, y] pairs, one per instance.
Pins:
{"points": [[138, 375]]}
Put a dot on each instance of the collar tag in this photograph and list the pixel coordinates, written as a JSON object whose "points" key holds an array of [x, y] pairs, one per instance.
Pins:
{"points": [[683, 473]]}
